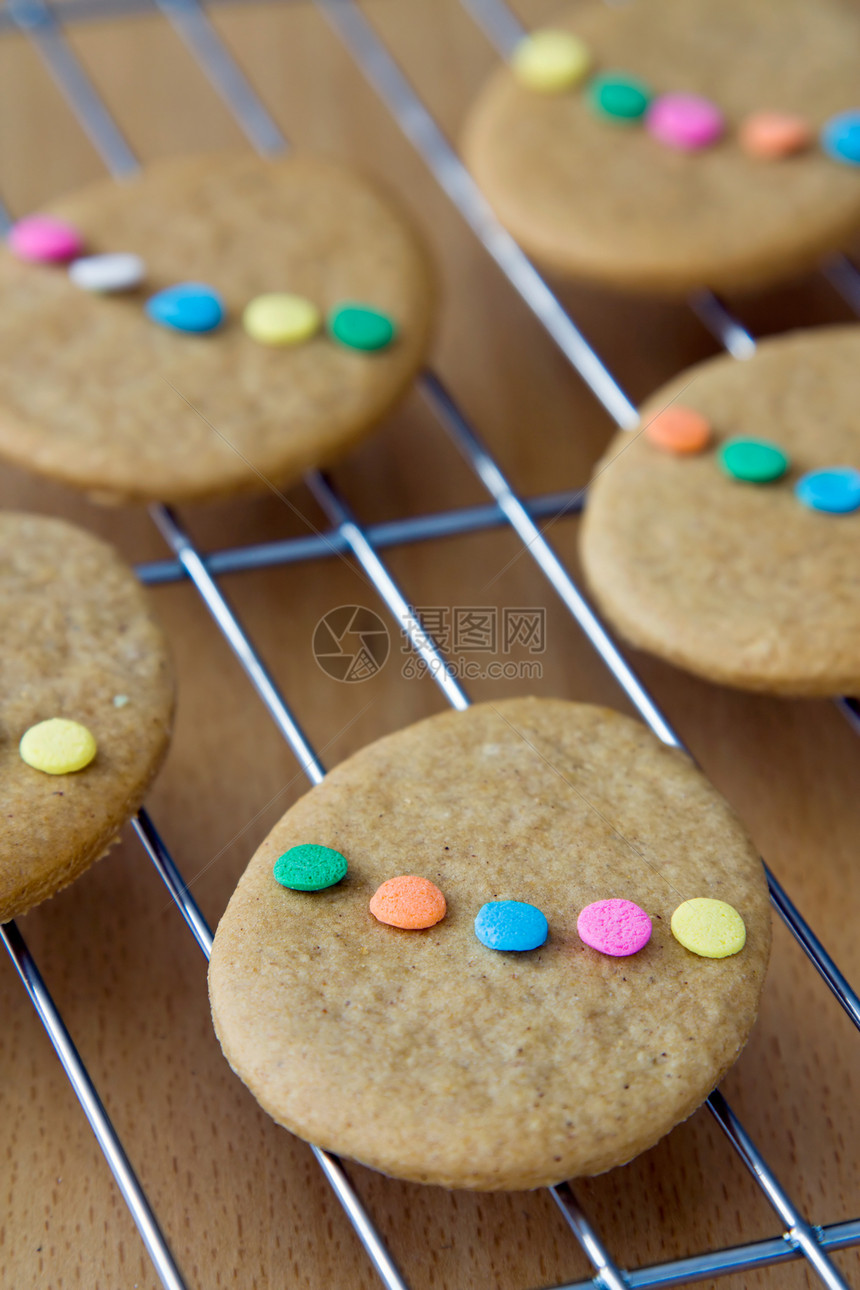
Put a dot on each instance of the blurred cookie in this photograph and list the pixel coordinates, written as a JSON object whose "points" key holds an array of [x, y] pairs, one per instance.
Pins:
{"points": [[741, 582], [432, 1057], [94, 393], [79, 643], [606, 201]]}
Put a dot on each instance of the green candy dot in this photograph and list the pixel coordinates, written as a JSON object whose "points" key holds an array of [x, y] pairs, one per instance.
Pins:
{"points": [[617, 95], [359, 327], [755, 461], [309, 867]]}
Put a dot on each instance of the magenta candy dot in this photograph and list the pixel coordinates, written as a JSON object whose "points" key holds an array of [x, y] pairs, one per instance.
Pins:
{"points": [[45, 240], [615, 927], [684, 121]]}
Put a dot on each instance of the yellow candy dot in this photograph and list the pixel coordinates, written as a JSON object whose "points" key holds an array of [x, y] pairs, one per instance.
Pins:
{"points": [[710, 928], [281, 319], [57, 746], [550, 61]]}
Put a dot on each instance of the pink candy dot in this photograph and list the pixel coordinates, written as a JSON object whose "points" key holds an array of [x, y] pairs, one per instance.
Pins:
{"points": [[684, 121], [615, 927], [44, 240]]}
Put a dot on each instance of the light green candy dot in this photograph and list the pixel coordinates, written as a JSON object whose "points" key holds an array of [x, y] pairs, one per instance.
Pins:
{"points": [[57, 746], [359, 327], [550, 61], [710, 928], [309, 867], [616, 95], [755, 461]]}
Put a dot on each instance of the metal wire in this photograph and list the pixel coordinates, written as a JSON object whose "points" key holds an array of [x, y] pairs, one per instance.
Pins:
{"points": [[105, 135], [192, 23], [36, 18], [355, 537], [85, 1091], [320, 546], [383, 73], [418, 125], [732, 1259]]}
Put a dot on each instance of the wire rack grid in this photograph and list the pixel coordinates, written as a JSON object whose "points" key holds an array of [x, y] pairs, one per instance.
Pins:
{"points": [[800, 1238]]}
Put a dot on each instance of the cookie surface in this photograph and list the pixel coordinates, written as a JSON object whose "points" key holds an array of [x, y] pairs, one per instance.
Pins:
{"points": [[610, 204], [78, 634], [739, 582], [92, 392], [433, 1058]]}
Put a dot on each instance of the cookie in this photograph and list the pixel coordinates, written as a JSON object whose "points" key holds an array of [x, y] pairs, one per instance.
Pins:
{"points": [[739, 582], [610, 203], [96, 394], [79, 643], [428, 1055]]}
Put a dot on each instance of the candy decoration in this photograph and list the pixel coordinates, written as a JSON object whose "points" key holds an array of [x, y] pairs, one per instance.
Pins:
{"points": [[511, 925], [614, 927], [45, 240], [281, 319], [57, 746], [768, 136], [550, 61], [684, 121], [309, 867], [408, 902], [360, 327], [755, 461], [105, 274], [618, 96], [840, 137], [835, 490], [710, 928], [189, 306], [679, 429]]}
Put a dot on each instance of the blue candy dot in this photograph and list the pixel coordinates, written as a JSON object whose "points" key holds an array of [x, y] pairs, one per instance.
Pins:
{"points": [[840, 137], [511, 925], [189, 306], [836, 490]]}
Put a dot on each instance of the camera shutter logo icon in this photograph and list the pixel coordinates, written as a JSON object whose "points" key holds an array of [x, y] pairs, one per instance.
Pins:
{"points": [[351, 643]]}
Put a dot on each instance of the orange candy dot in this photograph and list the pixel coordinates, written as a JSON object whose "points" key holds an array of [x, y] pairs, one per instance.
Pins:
{"points": [[408, 902], [771, 135], [678, 429]]}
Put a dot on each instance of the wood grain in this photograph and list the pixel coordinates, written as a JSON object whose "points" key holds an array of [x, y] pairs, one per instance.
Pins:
{"points": [[243, 1204]]}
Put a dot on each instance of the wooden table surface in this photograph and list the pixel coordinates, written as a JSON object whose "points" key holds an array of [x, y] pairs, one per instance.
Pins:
{"points": [[242, 1203]]}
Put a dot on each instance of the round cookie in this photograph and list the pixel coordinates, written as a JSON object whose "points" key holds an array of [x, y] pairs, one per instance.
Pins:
{"points": [[79, 642], [739, 582], [433, 1058], [610, 204], [93, 393]]}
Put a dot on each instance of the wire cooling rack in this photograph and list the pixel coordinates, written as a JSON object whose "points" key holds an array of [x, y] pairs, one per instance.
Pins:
{"points": [[799, 1238]]}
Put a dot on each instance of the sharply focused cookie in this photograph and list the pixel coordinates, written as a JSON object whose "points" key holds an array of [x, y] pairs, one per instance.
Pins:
{"points": [[740, 561], [431, 1055], [697, 196], [86, 704], [178, 400]]}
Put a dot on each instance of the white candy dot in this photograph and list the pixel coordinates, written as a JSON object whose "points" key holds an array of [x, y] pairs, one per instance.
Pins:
{"points": [[120, 271]]}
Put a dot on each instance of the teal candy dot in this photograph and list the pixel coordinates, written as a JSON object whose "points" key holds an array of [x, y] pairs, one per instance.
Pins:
{"points": [[617, 95], [755, 461], [309, 867], [359, 327]]}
